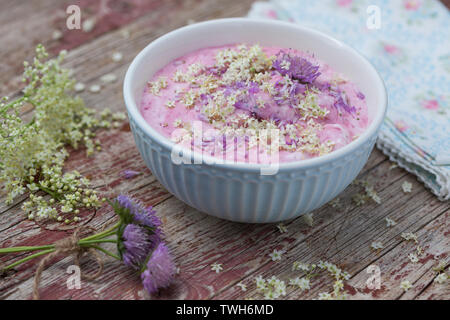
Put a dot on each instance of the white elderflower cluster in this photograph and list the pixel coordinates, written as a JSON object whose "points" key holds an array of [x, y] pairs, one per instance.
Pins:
{"points": [[309, 107], [390, 222], [282, 228], [441, 278], [302, 283], [338, 286], [407, 187], [409, 236], [405, 285], [369, 193], [376, 245], [32, 153], [272, 288]]}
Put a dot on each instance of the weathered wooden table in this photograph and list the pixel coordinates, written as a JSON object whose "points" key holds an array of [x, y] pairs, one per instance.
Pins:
{"points": [[339, 235]]}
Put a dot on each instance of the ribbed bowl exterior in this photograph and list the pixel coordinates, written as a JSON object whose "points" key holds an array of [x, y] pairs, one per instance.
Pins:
{"points": [[234, 194]]}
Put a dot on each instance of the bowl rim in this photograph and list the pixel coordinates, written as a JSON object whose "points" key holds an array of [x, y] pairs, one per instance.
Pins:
{"points": [[134, 112]]}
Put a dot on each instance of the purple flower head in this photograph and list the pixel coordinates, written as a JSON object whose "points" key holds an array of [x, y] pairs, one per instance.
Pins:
{"points": [[296, 67], [160, 270], [139, 214], [128, 174], [137, 243]]}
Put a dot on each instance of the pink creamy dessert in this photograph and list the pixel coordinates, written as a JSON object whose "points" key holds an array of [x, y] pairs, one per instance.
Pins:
{"points": [[250, 103]]}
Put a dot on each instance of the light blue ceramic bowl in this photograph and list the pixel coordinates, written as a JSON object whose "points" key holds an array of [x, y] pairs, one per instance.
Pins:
{"points": [[238, 191]]}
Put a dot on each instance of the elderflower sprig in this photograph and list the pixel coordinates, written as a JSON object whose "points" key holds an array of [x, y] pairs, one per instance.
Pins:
{"points": [[32, 153]]}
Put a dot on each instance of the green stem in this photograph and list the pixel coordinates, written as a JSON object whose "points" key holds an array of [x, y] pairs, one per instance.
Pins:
{"points": [[103, 234], [106, 252], [96, 238], [52, 193], [29, 248], [27, 259], [97, 241]]}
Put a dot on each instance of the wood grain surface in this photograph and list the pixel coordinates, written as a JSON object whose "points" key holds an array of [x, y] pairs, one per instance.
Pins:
{"points": [[341, 235]]}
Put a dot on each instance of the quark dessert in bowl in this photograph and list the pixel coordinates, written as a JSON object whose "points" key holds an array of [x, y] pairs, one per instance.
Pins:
{"points": [[252, 120]]}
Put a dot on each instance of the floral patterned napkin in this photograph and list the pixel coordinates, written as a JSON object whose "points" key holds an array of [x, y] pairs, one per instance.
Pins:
{"points": [[411, 50]]}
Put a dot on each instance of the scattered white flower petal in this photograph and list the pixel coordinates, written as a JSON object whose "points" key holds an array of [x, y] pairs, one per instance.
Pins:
{"points": [[217, 267], [325, 296], [405, 285], [359, 199], [376, 245], [276, 254], [371, 193], [390, 222], [272, 288], [441, 278], [303, 283], [108, 78], [57, 34], [419, 250], [393, 166], [299, 266], [117, 56], [407, 187], [308, 218], [335, 203], [125, 33], [294, 282], [88, 25], [282, 228], [95, 88], [413, 258], [78, 87], [260, 283], [242, 286], [409, 236]]}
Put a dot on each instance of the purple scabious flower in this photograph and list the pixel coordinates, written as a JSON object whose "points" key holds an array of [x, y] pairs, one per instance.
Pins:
{"points": [[160, 270], [137, 243], [140, 214], [296, 67]]}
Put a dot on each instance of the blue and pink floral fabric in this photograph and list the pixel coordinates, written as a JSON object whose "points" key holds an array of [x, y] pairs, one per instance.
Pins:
{"points": [[411, 50]]}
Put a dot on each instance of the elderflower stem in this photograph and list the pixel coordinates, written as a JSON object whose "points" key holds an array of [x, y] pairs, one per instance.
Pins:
{"points": [[9, 105], [27, 259]]}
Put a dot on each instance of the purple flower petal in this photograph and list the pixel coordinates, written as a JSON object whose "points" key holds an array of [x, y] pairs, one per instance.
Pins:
{"points": [[141, 215], [128, 174], [160, 270], [138, 243], [360, 95], [296, 67], [341, 103]]}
